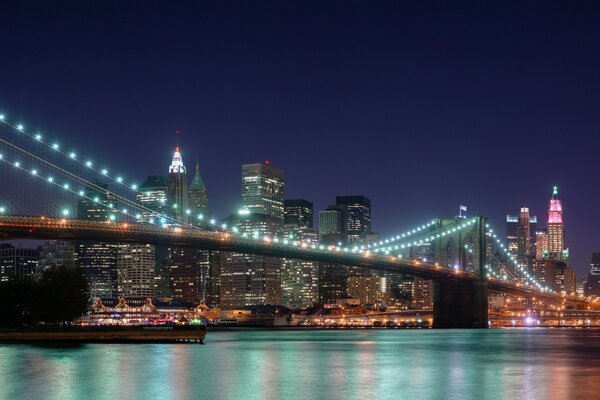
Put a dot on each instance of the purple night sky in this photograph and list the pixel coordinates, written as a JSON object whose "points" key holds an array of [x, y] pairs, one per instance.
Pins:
{"points": [[419, 106]]}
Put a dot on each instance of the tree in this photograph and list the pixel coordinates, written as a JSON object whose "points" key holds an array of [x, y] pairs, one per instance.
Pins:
{"points": [[15, 300], [61, 295]]}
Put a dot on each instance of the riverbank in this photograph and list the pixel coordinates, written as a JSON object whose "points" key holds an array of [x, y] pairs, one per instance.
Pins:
{"points": [[159, 334]]}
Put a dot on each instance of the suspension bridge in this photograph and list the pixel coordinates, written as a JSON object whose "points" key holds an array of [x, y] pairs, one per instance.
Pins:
{"points": [[45, 181]]}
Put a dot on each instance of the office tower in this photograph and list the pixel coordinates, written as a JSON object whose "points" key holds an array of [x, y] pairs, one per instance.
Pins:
{"points": [[333, 278], [299, 278], [197, 198], [423, 294], [592, 287], [331, 226], [135, 271], [262, 189], [369, 290], [97, 204], [333, 283], [18, 262], [246, 279], [152, 196], [177, 195], [185, 274], [98, 260], [556, 239], [207, 287], [541, 244], [298, 212], [358, 216], [520, 234], [210, 288]]}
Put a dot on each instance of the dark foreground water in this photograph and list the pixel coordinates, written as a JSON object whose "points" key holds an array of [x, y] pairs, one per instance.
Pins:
{"points": [[316, 364]]}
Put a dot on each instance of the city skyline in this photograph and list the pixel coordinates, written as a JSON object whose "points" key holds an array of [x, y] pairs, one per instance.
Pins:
{"points": [[373, 102]]}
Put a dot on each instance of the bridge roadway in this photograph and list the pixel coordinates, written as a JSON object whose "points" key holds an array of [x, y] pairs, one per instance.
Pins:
{"points": [[27, 227]]}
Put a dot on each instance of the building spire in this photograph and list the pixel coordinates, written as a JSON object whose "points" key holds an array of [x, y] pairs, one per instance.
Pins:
{"points": [[177, 166], [197, 182], [555, 192]]}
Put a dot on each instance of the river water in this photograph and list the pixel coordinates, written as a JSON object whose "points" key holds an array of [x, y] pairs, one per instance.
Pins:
{"points": [[316, 364]]}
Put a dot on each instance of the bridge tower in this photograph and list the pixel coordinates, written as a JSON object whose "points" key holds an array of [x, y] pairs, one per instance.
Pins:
{"points": [[460, 303]]}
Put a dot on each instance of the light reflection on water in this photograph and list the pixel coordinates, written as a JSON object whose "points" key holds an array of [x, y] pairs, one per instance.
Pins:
{"points": [[306, 364]]}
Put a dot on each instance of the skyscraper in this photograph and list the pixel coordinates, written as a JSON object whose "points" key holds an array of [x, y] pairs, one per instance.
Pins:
{"points": [[262, 189], [98, 260], [135, 271], [541, 244], [520, 234], [177, 196], [592, 287], [97, 204], [185, 274], [197, 198], [299, 278], [298, 212], [358, 216], [152, 195], [247, 279], [331, 226], [17, 262], [556, 235]]}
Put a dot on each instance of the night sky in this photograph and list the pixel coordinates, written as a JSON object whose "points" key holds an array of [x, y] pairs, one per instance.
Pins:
{"points": [[419, 106]]}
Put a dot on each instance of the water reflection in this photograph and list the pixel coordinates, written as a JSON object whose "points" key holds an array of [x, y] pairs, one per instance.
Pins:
{"points": [[361, 364]]}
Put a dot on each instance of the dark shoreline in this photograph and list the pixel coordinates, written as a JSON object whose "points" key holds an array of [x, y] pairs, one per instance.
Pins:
{"points": [[74, 335]]}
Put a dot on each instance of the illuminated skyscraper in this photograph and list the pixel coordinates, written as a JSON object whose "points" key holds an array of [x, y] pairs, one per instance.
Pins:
{"points": [[556, 235], [153, 196], [247, 279], [262, 189], [299, 278], [197, 198], [17, 262], [358, 216], [331, 226], [177, 195], [592, 287], [98, 260], [541, 244], [520, 234], [135, 271], [298, 212]]}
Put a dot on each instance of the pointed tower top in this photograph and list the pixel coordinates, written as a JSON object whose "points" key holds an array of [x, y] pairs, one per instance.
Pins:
{"points": [[197, 182], [555, 192], [177, 166]]}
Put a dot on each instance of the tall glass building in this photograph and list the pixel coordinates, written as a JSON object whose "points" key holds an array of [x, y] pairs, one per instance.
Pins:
{"points": [[298, 212], [98, 260], [152, 195], [262, 189], [358, 216]]}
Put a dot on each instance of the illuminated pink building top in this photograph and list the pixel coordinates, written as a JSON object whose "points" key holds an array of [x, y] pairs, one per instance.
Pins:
{"points": [[555, 210]]}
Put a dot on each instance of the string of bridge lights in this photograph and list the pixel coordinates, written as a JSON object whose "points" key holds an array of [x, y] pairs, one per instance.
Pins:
{"points": [[403, 235], [72, 155], [432, 237], [512, 259], [68, 187], [104, 172]]}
